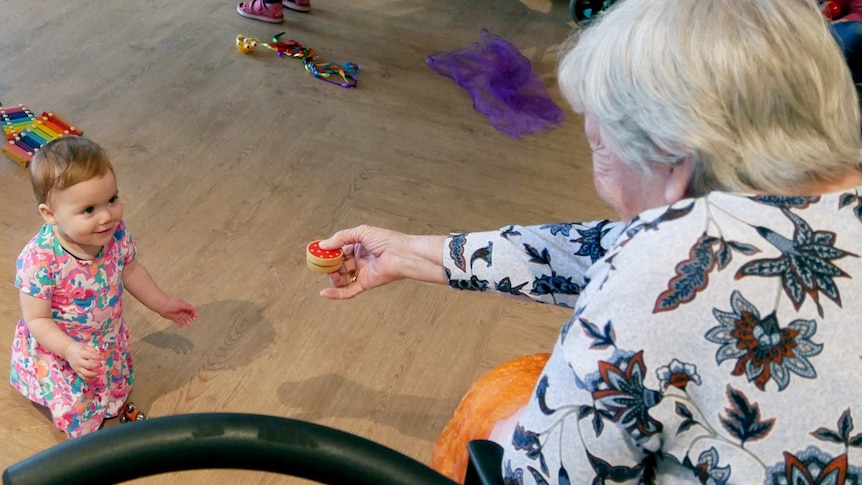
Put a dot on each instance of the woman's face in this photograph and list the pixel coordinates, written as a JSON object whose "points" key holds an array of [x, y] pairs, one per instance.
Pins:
{"points": [[627, 190]]}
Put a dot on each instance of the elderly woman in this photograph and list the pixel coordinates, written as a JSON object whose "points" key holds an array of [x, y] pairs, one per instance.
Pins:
{"points": [[715, 335]]}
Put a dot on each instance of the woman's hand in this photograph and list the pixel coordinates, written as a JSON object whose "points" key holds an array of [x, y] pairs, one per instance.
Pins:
{"points": [[181, 312], [88, 362], [375, 256]]}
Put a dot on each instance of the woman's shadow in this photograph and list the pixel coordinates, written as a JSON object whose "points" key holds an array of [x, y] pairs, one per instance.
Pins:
{"points": [[332, 394], [231, 334]]}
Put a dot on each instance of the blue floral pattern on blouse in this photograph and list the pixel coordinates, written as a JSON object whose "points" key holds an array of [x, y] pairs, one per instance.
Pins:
{"points": [[713, 341]]}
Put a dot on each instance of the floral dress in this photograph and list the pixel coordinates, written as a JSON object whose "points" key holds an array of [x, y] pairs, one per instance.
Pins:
{"points": [[714, 341], [87, 304]]}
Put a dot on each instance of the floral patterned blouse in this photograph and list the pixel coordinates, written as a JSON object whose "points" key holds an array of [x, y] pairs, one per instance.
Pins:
{"points": [[86, 303], [714, 341]]}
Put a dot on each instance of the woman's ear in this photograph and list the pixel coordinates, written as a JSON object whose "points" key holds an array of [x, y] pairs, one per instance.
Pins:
{"points": [[47, 214], [678, 181]]}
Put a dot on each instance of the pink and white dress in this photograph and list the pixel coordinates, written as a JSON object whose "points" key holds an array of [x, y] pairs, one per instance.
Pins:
{"points": [[87, 304]]}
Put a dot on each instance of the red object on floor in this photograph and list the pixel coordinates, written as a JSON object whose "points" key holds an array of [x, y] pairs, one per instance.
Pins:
{"points": [[831, 9]]}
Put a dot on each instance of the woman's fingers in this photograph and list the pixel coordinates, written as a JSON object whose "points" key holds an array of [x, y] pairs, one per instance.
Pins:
{"points": [[343, 238]]}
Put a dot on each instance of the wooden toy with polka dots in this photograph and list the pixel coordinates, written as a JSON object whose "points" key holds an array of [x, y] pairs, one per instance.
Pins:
{"points": [[323, 261]]}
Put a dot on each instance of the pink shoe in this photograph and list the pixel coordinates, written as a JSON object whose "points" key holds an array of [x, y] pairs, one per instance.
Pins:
{"points": [[298, 5], [258, 10]]}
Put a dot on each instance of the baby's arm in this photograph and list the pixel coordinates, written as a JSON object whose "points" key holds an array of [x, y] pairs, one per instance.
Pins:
{"points": [[141, 285], [84, 359]]}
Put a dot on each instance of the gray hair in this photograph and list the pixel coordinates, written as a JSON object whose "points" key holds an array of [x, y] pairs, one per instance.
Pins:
{"points": [[756, 92]]}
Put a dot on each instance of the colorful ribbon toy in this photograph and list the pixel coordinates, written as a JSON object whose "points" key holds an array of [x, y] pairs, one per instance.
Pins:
{"points": [[291, 48]]}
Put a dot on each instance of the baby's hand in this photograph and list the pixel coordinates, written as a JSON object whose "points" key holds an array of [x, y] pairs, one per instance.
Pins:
{"points": [[180, 311], [88, 362]]}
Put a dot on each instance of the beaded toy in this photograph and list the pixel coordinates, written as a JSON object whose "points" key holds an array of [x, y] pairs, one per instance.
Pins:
{"points": [[291, 48]]}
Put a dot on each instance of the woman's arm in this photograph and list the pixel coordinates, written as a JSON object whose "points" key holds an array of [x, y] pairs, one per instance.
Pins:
{"points": [[541, 263]]}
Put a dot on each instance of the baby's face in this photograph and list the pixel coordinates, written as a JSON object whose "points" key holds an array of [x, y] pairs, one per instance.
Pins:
{"points": [[86, 214]]}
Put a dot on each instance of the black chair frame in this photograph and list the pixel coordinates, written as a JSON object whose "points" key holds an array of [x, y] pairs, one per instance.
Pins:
{"points": [[485, 463], [221, 440]]}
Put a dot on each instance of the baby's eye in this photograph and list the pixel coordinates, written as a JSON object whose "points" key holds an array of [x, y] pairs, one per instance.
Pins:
{"points": [[89, 210], [113, 200]]}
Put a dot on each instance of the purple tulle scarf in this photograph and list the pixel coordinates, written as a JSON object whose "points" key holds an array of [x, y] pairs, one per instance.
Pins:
{"points": [[502, 83]]}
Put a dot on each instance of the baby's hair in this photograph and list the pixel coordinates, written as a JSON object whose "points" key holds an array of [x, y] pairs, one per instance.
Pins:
{"points": [[64, 162]]}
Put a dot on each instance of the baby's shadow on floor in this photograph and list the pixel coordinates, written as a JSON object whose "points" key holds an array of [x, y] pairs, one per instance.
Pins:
{"points": [[330, 395], [178, 344], [227, 335]]}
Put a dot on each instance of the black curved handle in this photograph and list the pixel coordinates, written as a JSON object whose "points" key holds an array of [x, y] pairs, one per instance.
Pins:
{"points": [[221, 440], [485, 463]]}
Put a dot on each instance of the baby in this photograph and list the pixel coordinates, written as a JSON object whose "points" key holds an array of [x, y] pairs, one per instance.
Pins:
{"points": [[71, 349]]}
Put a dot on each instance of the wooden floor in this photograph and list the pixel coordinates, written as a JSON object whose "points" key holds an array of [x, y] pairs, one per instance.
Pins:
{"points": [[229, 164]]}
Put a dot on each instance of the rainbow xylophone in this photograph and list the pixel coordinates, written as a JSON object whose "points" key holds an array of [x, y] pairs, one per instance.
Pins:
{"points": [[14, 120], [26, 133]]}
